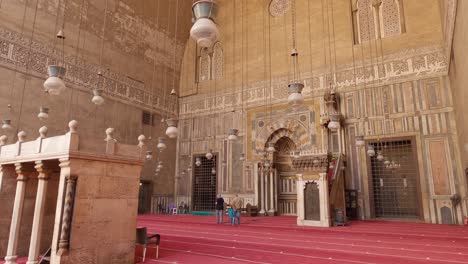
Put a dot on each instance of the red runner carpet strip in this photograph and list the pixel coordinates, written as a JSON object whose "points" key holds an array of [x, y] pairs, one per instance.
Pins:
{"points": [[197, 239]]}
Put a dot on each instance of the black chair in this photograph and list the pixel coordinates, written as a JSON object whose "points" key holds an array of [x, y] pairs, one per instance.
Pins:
{"points": [[144, 240]]}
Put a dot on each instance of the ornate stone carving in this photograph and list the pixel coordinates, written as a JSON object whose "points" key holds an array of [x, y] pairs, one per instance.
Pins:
{"points": [[279, 7], [14, 50], [405, 66], [64, 241]]}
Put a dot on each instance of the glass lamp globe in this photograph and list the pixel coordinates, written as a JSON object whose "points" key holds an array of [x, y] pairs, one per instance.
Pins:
{"points": [[43, 113], [271, 147], [171, 130], [242, 157], [380, 156], [387, 162], [371, 151], [334, 125], [160, 166], [232, 134], [97, 98], [149, 155], [161, 144], [7, 125], [295, 99], [360, 141], [54, 85], [198, 162], [209, 155], [205, 32], [213, 170]]}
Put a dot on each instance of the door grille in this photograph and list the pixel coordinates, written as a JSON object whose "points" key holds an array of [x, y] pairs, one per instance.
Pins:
{"points": [[204, 184], [395, 179]]}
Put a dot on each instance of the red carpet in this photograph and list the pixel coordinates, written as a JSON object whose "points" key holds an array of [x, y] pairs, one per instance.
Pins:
{"points": [[197, 239], [187, 239]]}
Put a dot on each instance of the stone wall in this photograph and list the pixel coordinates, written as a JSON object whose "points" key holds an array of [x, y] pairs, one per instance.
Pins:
{"points": [[140, 64], [393, 87], [459, 79]]}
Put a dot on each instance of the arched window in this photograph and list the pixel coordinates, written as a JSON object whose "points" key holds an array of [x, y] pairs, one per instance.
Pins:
{"points": [[366, 21], [373, 19], [391, 16], [218, 61], [204, 72]]}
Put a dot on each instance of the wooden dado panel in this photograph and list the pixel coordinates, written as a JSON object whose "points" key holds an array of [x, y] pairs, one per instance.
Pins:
{"points": [[439, 167]]}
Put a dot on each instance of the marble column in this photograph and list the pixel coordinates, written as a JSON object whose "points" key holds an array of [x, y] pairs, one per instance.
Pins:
{"points": [[271, 211], [35, 243], [17, 214], [262, 191]]}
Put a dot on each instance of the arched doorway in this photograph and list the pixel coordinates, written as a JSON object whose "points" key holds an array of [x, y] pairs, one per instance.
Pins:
{"points": [[286, 186]]}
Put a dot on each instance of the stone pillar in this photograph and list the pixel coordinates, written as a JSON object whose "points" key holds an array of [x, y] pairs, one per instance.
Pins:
{"points": [[17, 214], [34, 246], [272, 209], [261, 191]]}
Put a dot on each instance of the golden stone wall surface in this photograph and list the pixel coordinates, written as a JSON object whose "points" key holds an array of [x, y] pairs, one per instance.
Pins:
{"points": [[394, 87]]}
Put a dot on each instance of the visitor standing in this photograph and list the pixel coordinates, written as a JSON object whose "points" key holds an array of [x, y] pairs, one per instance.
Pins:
{"points": [[236, 205], [219, 209]]}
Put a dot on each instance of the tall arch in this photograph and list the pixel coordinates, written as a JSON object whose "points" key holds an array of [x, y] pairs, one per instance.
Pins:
{"points": [[204, 73]]}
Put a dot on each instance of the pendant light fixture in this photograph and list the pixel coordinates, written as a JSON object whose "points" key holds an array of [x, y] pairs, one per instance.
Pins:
{"points": [[171, 130], [233, 134], [43, 113], [149, 155], [334, 123], [380, 156], [209, 155], [161, 144], [160, 165], [198, 162], [204, 31], [6, 125], [360, 141], [271, 147], [370, 150], [213, 170], [97, 98], [295, 86], [54, 85], [242, 157]]}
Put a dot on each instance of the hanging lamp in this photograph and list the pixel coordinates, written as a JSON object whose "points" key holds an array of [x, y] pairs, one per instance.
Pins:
{"points": [[380, 156], [209, 155], [198, 162], [271, 147], [370, 150], [204, 31], [334, 123], [6, 125], [295, 97], [232, 134], [43, 113], [149, 155], [54, 85], [213, 170], [161, 144], [171, 130], [242, 157], [97, 98], [360, 141], [295, 87]]}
